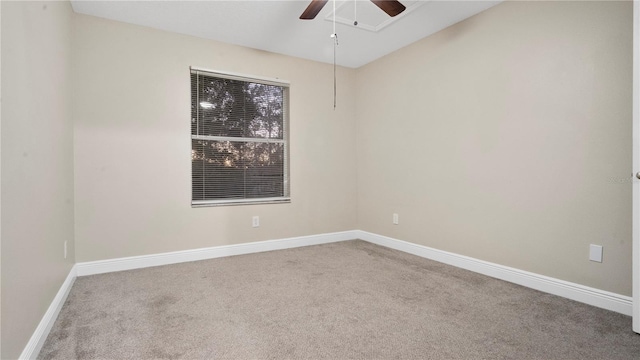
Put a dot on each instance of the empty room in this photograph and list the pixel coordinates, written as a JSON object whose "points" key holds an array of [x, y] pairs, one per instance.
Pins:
{"points": [[320, 179]]}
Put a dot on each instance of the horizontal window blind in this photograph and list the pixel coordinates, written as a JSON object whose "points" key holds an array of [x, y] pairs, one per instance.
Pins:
{"points": [[239, 140]]}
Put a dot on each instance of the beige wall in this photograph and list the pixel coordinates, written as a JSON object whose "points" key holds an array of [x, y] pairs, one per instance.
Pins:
{"points": [[132, 144], [507, 137], [37, 164]]}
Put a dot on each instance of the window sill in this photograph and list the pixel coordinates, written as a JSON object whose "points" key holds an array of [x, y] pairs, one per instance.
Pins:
{"points": [[207, 203]]}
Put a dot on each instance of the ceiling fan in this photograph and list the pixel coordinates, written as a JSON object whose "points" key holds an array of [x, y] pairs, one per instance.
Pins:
{"points": [[391, 7]]}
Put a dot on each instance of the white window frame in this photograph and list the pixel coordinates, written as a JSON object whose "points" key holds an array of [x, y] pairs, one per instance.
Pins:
{"points": [[286, 198]]}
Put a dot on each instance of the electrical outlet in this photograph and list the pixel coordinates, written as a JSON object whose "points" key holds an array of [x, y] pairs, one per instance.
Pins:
{"points": [[65, 249], [595, 253], [256, 221], [395, 219]]}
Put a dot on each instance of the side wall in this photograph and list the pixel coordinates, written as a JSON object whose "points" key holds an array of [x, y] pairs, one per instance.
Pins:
{"points": [[132, 144], [507, 138], [37, 164]]}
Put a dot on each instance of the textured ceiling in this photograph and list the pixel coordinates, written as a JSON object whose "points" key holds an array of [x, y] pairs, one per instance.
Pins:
{"points": [[274, 25]]}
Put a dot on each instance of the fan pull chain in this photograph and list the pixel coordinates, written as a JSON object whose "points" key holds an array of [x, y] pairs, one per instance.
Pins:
{"points": [[335, 43], [334, 18], [355, 12]]}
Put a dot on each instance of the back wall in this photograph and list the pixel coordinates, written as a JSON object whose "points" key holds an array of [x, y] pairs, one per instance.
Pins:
{"points": [[132, 144]]}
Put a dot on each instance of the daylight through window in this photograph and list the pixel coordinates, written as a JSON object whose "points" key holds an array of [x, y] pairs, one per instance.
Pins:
{"points": [[239, 139]]}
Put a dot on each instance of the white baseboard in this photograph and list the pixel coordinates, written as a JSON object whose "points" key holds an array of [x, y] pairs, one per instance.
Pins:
{"points": [[138, 262], [584, 294], [595, 297], [599, 298], [32, 349]]}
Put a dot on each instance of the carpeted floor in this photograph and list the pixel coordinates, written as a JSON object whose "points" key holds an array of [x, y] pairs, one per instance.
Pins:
{"points": [[335, 301]]}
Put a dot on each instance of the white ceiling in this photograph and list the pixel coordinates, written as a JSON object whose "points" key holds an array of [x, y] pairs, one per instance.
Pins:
{"points": [[274, 25]]}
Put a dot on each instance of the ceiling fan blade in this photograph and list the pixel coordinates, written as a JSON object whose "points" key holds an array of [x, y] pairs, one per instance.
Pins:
{"points": [[313, 9], [392, 8]]}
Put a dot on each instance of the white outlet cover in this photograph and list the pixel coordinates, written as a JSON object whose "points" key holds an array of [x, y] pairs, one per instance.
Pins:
{"points": [[595, 253]]}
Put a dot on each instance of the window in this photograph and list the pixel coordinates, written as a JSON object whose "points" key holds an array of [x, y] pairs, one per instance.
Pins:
{"points": [[239, 140]]}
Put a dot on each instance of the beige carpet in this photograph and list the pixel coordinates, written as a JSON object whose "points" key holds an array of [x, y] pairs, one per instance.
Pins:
{"points": [[335, 301]]}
